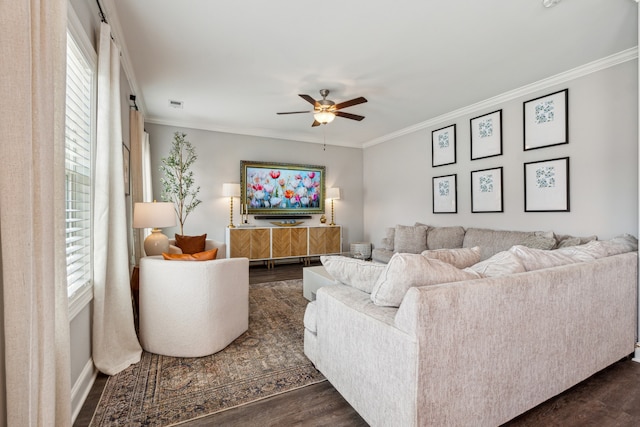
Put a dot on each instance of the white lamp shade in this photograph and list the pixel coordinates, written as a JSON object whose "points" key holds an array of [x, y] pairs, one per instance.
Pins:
{"points": [[154, 215], [231, 189], [324, 117], [334, 193]]}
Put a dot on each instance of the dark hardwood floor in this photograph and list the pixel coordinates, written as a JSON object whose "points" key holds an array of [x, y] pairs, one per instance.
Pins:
{"points": [[609, 398]]}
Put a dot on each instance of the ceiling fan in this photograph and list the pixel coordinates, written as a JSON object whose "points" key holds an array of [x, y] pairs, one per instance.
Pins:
{"points": [[325, 110]]}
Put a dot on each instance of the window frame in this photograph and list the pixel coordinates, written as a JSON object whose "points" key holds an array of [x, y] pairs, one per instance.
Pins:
{"points": [[80, 297]]}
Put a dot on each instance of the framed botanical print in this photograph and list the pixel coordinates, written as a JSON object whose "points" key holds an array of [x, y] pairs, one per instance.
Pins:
{"points": [[486, 190], [546, 120], [445, 198], [546, 185], [486, 135], [443, 146]]}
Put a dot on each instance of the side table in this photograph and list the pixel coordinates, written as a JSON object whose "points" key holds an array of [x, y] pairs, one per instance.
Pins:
{"points": [[313, 278]]}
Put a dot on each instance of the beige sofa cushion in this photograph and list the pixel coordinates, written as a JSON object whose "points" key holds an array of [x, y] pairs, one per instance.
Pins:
{"points": [[493, 241], [459, 257], [410, 239], [445, 237], [354, 272], [501, 264], [537, 259], [405, 271], [587, 252], [620, 244]]}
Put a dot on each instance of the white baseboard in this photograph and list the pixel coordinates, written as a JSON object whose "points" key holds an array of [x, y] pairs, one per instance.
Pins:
{"points": [[636, 355], [80, 390]]}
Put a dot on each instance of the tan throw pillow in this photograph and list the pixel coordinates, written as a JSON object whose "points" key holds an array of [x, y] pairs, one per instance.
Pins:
{"points": [[539, 241], [191, 244], [405, 271], [587, 252], [537, 259], [200, 256], [501, 264], [459, 258], [408, 239], [354, 272]]}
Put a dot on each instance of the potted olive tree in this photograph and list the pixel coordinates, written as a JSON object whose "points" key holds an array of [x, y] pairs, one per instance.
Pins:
{"points": [[177, 183]]}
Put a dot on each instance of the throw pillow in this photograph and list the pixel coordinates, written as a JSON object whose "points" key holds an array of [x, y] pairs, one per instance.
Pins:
{"points": [[501, 264], [565, 240], [191, 244], [539, 241], [620, 244], [405, 271], [354, 272], [387, 241], [459, 258], [408, 239], [537, 259], [200, 256], [445, 237], [588, 252]]}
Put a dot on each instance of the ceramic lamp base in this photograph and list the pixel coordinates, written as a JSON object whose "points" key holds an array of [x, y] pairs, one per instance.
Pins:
{"points": [[156, 243]]}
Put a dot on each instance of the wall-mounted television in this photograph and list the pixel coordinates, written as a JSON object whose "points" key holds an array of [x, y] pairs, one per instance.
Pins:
{"points": [[269, 188]]}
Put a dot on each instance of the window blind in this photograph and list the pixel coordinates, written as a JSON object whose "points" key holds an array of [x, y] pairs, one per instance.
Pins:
{"points": [[78, 178]]}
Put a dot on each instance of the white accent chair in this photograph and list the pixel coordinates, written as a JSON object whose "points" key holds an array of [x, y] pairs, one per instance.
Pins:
{"points": [[208, 245], [192, 308]]}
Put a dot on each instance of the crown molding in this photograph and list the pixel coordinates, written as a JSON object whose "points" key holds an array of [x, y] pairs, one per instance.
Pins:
{"points": [[262, 133], [561, 78]]}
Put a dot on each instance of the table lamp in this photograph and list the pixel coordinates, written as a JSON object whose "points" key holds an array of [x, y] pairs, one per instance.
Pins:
{"points": [[333, 193], [231, 190], [154, 215]]}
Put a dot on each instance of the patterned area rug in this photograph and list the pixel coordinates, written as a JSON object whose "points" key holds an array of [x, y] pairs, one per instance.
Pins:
{"points": [[266, 360]]}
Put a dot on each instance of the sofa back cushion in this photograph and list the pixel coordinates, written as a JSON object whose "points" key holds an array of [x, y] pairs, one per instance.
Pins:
{"points": [[405, 271], [445, 237], [354, 272], [537, 259], [459, 257], [410, 239], [493, 241], [501, 264]]}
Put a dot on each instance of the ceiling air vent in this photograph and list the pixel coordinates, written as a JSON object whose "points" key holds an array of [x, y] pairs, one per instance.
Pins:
{"points": [[176, 104]]}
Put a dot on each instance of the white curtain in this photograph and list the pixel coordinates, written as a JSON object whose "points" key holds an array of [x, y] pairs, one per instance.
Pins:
{"points": [[137, 138], [115, 345], [34, 324]]}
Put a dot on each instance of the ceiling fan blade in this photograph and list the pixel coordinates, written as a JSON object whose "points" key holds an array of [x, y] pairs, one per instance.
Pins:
{"points": [[315, 123], [349, 115], [355, 101], [309, 99], [295, 112]]}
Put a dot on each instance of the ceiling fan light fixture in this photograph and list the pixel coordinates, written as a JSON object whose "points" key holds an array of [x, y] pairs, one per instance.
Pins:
{"points": [[324, 117]]}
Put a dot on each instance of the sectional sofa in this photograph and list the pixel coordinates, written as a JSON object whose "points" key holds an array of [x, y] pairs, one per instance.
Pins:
{"points": [[472, 335]]}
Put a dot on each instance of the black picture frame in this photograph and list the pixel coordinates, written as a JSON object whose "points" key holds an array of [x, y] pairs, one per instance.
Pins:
{"points": [[546, 120], [546, 185], [443, 146], [445, 194], [486, 135], [487, 190]]}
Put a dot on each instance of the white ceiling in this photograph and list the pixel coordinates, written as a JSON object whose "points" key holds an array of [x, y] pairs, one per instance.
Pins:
{"points": [[235, 64]]}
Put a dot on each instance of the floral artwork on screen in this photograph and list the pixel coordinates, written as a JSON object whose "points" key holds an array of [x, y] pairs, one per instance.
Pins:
{"points": [[282, 188]]}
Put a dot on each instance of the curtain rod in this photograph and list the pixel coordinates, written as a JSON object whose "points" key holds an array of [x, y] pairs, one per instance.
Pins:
{"points": [[103, 18]]}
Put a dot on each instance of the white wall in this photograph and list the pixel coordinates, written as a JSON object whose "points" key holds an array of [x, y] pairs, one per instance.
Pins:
{"points": [[603, 151], [219, 156]]}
